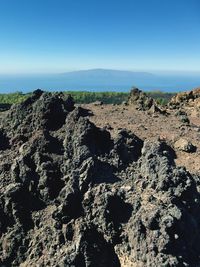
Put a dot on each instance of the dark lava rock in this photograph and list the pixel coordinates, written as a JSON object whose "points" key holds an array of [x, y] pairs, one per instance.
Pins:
{"points": [[70, 195], [140, 99], [185, 119], [143, 102], [183, 116], [128, 147], [4, 107], [40, 111], [4, 140]]}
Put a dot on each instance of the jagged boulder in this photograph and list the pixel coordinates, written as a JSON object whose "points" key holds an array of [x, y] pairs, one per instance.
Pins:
{"points": [[190, 98], [167, 204], [40, 111], [143, 102]]}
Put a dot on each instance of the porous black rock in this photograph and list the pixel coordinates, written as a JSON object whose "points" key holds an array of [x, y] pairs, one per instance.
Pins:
{"points": [[71, 195]]}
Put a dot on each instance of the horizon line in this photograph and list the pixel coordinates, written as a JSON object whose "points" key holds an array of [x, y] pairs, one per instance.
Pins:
{"points": [[170, 71]]}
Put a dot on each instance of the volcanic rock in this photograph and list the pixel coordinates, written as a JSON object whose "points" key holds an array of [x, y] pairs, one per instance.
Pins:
{"points": [[142, 101], [190, 98], [70, 195], [98, 103], [184, 145]]}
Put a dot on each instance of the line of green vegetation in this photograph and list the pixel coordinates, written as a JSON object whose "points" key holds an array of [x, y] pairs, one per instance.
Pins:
{"points": [[106, 97], [162, 98], [84, 97], [13, 98]]}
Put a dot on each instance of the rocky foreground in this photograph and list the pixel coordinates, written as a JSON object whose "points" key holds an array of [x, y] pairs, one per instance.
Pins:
{"points": [[72, 194]]}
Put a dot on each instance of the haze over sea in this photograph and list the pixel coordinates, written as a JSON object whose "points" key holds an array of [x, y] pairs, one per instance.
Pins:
{"points": [[59, 82]]}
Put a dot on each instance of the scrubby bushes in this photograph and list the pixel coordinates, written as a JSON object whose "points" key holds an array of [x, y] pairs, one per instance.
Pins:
{"points": [[105, 97], [162, 98], [13, 98], [84, 97]]}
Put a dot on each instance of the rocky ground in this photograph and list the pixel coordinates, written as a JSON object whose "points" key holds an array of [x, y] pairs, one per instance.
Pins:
{"points": [[177, 123], [99, 186]]}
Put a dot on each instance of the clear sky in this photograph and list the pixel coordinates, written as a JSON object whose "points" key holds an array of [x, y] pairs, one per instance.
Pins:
{"points": [[41, 36]]}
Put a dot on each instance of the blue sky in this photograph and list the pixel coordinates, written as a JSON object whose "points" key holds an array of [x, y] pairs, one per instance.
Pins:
{"points": [[46, 36]]}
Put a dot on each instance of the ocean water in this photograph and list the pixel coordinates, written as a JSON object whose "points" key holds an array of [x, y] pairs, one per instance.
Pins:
{"points": [[58, 82]]}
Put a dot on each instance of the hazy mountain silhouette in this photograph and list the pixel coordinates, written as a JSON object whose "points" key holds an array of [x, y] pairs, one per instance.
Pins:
{"points": [[107, 77]]}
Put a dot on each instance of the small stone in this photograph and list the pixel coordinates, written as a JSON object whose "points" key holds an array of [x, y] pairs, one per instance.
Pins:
{"points": [[184, 145]]}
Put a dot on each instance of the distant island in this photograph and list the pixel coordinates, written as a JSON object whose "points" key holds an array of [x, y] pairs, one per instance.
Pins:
{"points": [[107, 76], [99, 80]]}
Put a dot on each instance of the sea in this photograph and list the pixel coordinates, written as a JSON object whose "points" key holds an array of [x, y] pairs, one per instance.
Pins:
{"points": [[57, 82]]}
